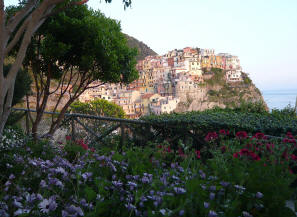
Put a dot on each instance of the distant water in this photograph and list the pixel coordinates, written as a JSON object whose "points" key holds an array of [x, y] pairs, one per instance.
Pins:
{"points": [[279, 99]]}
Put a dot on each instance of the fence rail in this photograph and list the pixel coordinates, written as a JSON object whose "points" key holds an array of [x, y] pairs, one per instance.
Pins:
{"points": [[140, 131]]}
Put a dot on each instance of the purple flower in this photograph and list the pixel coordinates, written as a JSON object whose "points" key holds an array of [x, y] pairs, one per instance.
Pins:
{"points": [[39, 197], [84, 203], [179, 190], [117, 183], [87, 175], [224, 184], [246, 214], [145, 180], [206, 205], [7, 183], [212, 188], [3, 213], [72, 211], [212, 196], [181, 212], [20, 212], [30, 198], [43, 184], [48, 205], [259, 195], [130, 206], [11, 176], [163, 211], [202, 174], [17, 204], [212, 213], [240, 189]]}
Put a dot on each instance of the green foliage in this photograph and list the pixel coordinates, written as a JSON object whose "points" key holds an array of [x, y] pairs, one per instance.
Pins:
{"points": [[251, 107], [218, 77], [98, 48], [288, 111], [216, 119], [247, 81], [98, 107]]}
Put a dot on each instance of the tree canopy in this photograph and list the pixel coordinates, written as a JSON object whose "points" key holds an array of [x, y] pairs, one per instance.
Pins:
{"points": [[75, 48], [17, 31], [98, 107]]}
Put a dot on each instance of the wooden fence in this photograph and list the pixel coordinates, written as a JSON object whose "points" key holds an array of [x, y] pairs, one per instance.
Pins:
{"points": [[139, 131]]}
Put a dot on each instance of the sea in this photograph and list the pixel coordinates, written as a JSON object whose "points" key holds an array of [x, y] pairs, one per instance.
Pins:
{"points": [[279, 99]]}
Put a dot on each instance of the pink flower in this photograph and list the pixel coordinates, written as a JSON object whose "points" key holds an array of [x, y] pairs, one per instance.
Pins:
{"points": [[68, 138], [168, 149], [293, 157], [241, 135], [211, 136], [236, 155], [181, 153], [259, 136], [223, 149], [224, 132], [285, 154], [197, 152]]}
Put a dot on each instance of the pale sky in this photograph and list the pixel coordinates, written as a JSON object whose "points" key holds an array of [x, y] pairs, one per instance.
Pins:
{"points": [[263, 33]]}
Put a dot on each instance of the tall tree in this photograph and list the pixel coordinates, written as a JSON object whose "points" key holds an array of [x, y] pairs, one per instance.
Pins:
{"points": [[74, 49], [19, 29]]}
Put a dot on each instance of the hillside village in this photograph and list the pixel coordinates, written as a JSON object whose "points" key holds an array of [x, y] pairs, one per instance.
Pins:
{"points": [[165, 81]]}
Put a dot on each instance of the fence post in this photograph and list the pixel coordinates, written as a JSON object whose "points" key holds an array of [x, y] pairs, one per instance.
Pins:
{"points": [[147, 132], [72, 129], [122, 136], [27, 123]]}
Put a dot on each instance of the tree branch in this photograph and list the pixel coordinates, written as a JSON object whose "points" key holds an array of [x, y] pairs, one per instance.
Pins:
{"points": [[14, 21], [64, 8], [17, 36]]}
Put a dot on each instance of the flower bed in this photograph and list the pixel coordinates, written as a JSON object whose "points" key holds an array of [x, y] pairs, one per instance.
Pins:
{"points": [[240, 175]]}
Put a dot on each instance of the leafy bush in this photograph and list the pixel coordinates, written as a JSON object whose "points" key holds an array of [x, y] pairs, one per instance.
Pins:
{"points": [[251, 107], [288, 111], [214, 120]]}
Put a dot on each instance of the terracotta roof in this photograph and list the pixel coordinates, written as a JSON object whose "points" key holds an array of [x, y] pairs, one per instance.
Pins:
{"points": [[146, 96]]}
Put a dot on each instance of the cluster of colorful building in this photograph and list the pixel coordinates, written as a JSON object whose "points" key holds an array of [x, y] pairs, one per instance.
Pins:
{"points": [[165, 80]]}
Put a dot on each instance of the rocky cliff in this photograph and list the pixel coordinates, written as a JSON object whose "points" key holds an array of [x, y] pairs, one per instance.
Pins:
{"points": [[143, 49], [216, 91]]}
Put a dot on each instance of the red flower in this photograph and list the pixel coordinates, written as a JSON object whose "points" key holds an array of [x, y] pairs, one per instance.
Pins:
{"points": [[197, 152], [241, 135], [224, 132], [293, 157], [92, 149], [292, 141], [211, 136], [285, 154], [236, 155], [290, 135], [181, 153], [244, 151], [168, 149], [82, 144], [269, 147], [259, 136], [160, 146], [68, 138], [223, 149], [254, 156]]}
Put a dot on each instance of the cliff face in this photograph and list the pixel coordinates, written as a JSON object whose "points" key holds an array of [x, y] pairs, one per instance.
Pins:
{"points": [[143, 49], [217, 92]]}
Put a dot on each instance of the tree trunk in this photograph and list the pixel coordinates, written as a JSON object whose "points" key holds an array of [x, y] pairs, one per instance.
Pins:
{"points": [[41, 108]]}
